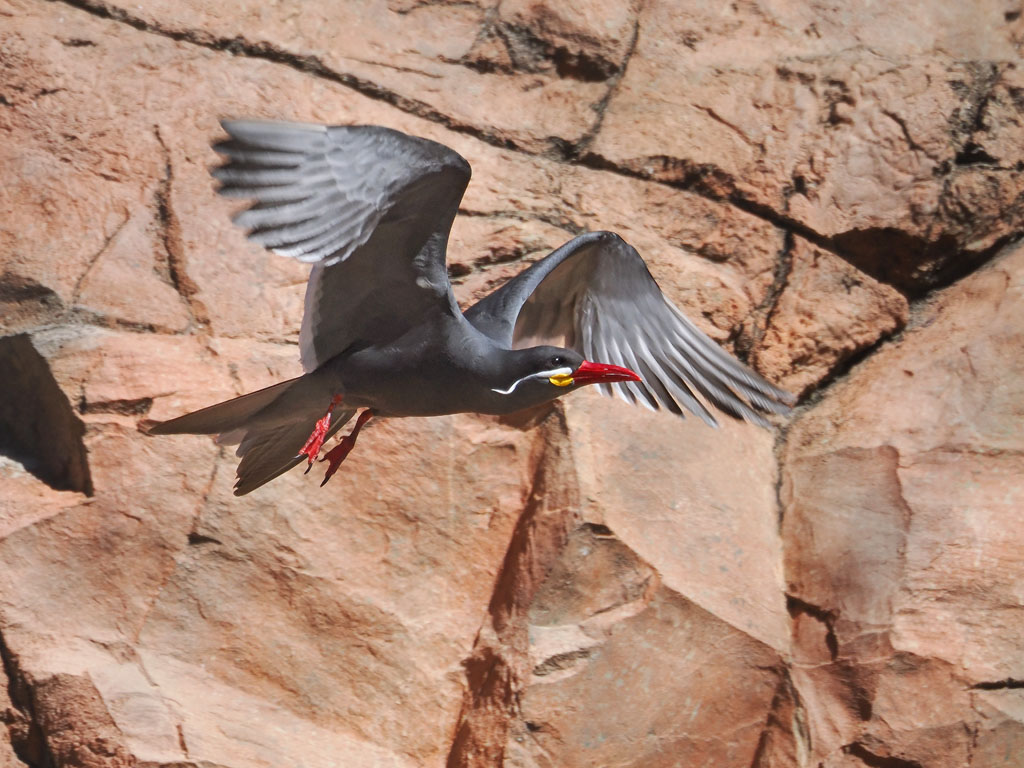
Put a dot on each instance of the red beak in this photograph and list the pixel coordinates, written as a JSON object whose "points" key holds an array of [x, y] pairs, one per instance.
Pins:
{"points": [[601, 373]]}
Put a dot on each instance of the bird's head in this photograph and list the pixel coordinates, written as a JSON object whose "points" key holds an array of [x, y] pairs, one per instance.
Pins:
{"points": [[543, 373]]}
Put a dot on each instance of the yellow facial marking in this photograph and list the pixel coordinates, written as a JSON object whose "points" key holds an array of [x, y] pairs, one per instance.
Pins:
{"points": [[561, 379]]}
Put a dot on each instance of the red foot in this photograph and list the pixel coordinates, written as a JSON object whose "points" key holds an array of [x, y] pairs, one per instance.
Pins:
{"points": [[341, 451], [312, 447]]}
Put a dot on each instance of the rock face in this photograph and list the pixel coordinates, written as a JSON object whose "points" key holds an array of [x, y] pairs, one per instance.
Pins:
{"points": [[831, 191]]}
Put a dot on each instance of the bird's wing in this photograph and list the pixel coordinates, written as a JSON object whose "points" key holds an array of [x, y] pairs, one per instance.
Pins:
{"points": [[369, 206], [595, 295]]}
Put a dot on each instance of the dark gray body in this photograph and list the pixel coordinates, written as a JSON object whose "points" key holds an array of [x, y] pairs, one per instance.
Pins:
{"points": [[372, 208], [443, 365]]}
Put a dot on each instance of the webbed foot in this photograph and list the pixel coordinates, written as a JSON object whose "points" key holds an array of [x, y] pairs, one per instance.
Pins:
{"points": [[341, 451]]}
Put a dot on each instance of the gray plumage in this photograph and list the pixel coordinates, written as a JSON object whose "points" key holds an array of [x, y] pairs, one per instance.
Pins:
{"points": [[596, 295], [371, 208]]}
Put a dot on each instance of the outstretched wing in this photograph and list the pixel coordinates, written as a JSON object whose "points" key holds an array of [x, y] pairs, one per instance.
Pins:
{"points": [[369, 206], [596, 295]]}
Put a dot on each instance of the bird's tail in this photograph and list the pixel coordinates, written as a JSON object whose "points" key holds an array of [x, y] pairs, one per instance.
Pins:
{"points": [[223, 418], [269, 426]]}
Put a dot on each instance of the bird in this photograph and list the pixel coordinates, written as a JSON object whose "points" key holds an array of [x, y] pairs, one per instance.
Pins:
{"points": [[371, 208]]}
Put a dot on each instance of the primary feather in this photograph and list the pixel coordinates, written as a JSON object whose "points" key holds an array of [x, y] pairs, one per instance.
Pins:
{"points": [[596, 295]]}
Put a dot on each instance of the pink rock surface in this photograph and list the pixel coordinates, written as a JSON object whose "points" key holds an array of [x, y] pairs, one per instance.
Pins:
{"points": [[900, 530], [806, 335], [840, 119], [591, 584]]}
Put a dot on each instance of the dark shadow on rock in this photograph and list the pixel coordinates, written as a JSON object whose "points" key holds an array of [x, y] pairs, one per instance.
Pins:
{"points": [[38, 427], [910, 264]]}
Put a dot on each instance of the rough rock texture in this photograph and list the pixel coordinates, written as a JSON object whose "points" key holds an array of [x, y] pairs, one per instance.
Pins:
{"points": [[829, 189], [901, 536]]}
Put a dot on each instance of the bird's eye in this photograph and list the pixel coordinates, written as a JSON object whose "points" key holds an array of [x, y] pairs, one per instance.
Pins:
{"points": [[558, 361]]}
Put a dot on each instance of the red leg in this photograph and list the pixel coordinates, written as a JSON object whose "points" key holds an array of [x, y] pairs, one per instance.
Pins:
{"points": [[340, 452], [312, 447]]}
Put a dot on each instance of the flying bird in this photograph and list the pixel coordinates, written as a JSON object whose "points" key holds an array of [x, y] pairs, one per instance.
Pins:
{"points": [[371, 208]]}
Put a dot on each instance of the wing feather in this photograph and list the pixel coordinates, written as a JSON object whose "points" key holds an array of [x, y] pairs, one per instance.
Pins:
{"points": [[278, 214], [297, 236], [595, 294], [661, 368], [371, 207]]}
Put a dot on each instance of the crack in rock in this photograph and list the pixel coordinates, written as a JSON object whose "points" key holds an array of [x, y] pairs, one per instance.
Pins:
{"points": [[749, 335], [561, 661], [796, 606], [873, 760], [860, 247], [96, 257], [700, 179], [22, 724], [784, 739], [499, 664], [577, 150], [170, 235], [306, 63], [999, 685], [129, 407]]}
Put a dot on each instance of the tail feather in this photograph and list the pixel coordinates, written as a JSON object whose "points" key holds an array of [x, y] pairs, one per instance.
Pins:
{"points": [[270, 451], [223, 418], [270, 427]]}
